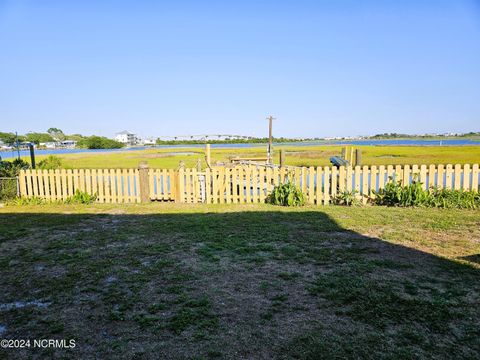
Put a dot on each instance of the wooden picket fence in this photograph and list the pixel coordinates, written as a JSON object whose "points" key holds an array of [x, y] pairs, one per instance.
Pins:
{"points": [[239, 184], [109, 185]]}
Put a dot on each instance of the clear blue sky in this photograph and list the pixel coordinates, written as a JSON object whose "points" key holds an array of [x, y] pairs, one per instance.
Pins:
{"points": [[323, 68]]}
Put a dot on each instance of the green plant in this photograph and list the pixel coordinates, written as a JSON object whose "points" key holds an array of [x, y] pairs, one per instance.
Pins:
{"points": [[10, 169], [286, 195], [50, 163], [81, 197], [347, 198], [99, 142], [8, 188], [395, 194], [21, 201]]}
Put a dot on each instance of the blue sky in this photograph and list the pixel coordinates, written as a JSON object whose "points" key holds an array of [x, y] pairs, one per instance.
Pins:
{"points": [[323, 68]]}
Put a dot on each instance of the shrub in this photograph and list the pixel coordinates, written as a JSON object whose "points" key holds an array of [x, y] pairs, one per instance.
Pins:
{"points": [[394, 194], [347, 198], [50, 163], [21, 201], [8, 189], [99, 142], [286, 195], [81, 197], [12, 168]]}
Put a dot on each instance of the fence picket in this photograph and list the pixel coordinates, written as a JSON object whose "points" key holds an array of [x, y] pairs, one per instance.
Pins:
{"points": [[431, 176], [341, 179], [406, 175], [373, 181], [440, 176], [34, 183], [381, 177], [475, 177], [46, 184], [349, 179], [334, 181], [365, 177], [466, 177], [457, 175], [326, 185]]}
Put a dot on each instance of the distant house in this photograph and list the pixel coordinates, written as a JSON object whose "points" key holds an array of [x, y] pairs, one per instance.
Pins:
{"points": [[4, 146], [49, 145], [126, 138], [149, 141], [69, 144]]}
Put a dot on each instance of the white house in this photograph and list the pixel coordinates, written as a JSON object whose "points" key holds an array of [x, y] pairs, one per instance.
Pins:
{"points": [[69, 144], [149, 141], [49, 145], [127, 138]]}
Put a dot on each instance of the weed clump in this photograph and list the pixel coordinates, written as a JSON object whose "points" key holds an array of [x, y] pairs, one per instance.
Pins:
{"points": [[286, 195]]}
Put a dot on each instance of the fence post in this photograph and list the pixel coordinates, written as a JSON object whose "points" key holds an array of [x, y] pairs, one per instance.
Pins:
{"points": [[282, 158], [179, 183], [143, 180], [358, 157], [207, 155]]}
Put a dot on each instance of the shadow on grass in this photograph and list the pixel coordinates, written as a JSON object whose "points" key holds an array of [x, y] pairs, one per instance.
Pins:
{"points": [[472, 258], [228, 285]]}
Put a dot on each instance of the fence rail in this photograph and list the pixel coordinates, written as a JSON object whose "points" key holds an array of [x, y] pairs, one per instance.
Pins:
{"points": [[239, 184]]}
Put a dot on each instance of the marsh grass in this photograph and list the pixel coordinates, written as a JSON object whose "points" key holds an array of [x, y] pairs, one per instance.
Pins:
{"points": [[295, 156]]}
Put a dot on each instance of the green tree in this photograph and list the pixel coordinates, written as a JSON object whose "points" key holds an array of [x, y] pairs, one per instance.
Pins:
{"points": [[38, 138], [99, 142], [50, 163], [56, 133], [10, 138]]}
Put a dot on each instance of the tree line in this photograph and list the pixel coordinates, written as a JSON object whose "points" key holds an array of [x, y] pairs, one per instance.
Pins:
{"points": [[57, 135]]}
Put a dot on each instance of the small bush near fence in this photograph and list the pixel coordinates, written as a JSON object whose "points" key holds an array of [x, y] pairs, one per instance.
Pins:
{"points": [[396, 194], [347, 198], [286, 195], [80, 197], [8, 188], [50, 163], [10, 169]]}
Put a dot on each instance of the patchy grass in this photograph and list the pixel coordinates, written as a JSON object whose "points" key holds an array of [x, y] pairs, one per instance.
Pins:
{"points": [[295, 156], [179, 281]]}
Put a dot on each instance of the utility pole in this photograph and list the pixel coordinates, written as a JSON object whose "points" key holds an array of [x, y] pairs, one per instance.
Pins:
{"points": [[18, 145], [270, 148]]}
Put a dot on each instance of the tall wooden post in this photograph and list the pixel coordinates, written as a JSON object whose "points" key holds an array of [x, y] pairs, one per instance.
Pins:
{"points": [[32, 155], [358, 157], [207, 155], [344, 153], [270, 148], [179, 186], [143, 180], [282, 158]]}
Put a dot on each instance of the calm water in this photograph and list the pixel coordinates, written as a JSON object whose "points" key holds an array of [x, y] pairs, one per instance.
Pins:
{"points": [[457, 142]]}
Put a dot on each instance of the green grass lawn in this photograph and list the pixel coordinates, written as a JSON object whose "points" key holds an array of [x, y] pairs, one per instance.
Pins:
{"points": [[296, 156], [241, 282]]}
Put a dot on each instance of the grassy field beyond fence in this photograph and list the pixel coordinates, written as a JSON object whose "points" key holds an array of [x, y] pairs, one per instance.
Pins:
{"points": [[296, 156]]}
